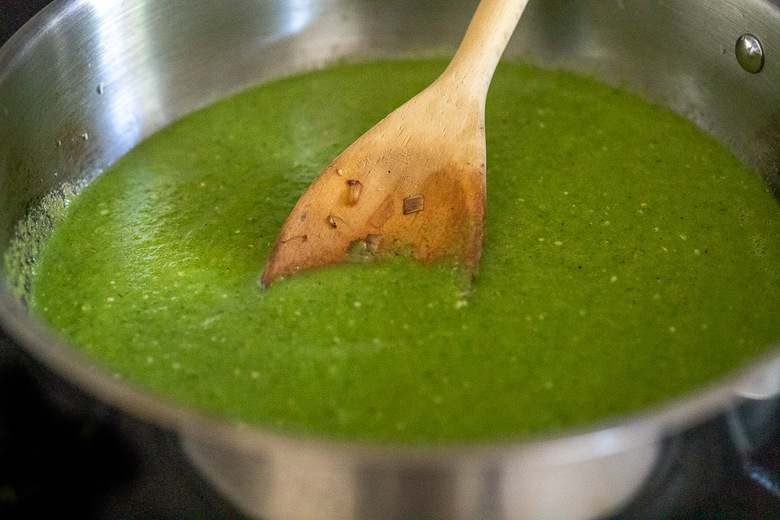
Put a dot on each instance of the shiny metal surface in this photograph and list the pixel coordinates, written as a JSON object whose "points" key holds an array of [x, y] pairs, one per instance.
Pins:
{"points": [[750, 54], [87, 79]]}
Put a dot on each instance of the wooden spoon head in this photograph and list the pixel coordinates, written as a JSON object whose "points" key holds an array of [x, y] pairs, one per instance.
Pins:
{"points": [[411, 185]]}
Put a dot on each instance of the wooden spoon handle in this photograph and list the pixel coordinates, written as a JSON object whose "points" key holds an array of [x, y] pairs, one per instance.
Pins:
{"points": [[483, 44]]}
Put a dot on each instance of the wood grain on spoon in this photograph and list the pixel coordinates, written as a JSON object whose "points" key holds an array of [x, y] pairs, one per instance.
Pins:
{"points": [[414, 183]]}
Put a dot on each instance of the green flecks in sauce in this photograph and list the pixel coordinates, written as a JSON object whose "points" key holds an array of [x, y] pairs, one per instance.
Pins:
{"points": [[628, 258]]}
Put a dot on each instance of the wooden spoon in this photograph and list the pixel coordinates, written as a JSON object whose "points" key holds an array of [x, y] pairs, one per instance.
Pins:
{"points": [[414, 183]]}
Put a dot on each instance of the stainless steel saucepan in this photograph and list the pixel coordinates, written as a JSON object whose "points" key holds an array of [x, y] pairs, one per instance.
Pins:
{"points": [[86, 80]]}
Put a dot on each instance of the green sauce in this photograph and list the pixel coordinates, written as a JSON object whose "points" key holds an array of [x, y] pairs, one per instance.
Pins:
{"points": [[628, 258]]}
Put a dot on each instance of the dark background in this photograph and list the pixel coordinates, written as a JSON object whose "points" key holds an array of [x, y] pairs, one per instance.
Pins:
{"points": [[14, 13], [63, 454]]}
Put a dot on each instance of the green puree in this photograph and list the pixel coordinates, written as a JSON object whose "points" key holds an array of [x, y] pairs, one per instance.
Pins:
{"points": [[628, 258]]}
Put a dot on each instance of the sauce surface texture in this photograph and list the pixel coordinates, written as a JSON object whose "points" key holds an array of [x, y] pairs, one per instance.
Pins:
{"points": [[628, 258]]}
